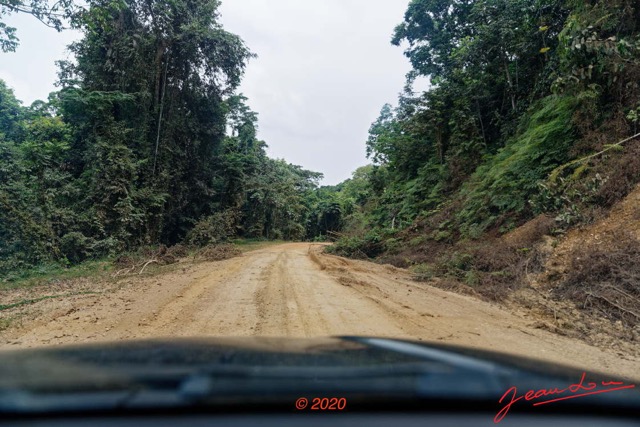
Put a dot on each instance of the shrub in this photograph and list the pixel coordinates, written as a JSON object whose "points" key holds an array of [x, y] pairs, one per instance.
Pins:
{"points": [[76, 247], [362, 247], [422, 272], [215, 228], [105, 247]]}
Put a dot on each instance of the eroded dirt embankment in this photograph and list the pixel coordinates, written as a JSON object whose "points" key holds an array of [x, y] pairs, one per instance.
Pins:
{"points": [[295, 290]]}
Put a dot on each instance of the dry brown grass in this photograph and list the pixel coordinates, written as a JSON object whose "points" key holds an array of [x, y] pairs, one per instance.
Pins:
{"points": [[218, 252], [623, 173], [530, 233], [144, 257], [604, 280]]}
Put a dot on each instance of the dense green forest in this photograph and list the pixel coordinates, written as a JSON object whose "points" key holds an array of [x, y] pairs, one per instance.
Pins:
{"points": [[530, 116], [147, 141]]}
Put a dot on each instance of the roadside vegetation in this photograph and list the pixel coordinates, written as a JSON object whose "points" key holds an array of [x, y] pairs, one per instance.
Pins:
{"points": [[146, 144], [527, 132]]}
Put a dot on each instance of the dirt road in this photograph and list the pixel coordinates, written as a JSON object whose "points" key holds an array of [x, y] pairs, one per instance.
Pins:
{"points": [[295, 290]]}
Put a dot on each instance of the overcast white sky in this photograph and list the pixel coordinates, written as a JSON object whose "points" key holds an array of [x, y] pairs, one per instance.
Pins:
{"points": [[323, 72]]}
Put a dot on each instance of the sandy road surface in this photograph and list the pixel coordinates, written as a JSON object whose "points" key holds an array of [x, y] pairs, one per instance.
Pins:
{"points": [[295, 290]]}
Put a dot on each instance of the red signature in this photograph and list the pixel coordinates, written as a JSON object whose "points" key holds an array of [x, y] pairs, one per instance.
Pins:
{"points": [[576, 390]]}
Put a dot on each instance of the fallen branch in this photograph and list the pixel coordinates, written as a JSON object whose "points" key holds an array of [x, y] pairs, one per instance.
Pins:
{"points": [[554, 174], [146, 264], [637, 316], [620, 291], [123, 271]]}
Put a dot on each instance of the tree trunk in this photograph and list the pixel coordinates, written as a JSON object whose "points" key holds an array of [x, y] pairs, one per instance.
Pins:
{"points": [[510, 82], [164, 89]]}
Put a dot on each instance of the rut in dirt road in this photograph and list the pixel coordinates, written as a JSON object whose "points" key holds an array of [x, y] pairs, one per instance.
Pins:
{"points": [[295, 290], [268, 293]]}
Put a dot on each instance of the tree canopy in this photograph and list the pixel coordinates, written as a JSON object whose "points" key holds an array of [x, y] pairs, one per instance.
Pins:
{"points": [[146, 142], [518, 89]]}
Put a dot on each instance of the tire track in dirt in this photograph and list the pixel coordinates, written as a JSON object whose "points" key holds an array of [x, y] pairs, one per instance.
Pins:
{"points": [[295, 290]]}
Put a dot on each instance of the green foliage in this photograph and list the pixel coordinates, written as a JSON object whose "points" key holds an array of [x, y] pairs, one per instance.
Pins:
{"points": [[457, 265], [26, 237], [215, 228], [483, 59], [134, 149], [327, 211], [423, 272], [75, 247], [11, 113], [527, 104], [567, 200], [51, 14], [600, 45], [506, 182], [48, 273], [363, 247], [484, 62]]}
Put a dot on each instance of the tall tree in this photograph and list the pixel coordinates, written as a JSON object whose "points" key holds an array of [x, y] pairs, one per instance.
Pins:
{"points": [[146, 94]]}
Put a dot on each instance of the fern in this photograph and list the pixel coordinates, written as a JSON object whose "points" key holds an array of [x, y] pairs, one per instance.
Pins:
{"points": [[505, 183]]}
